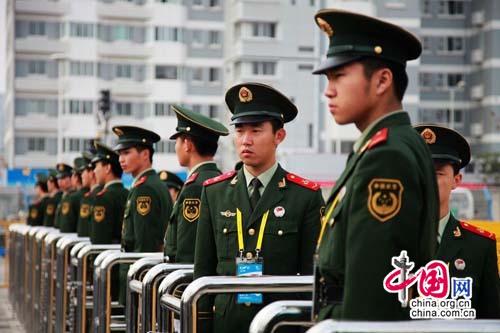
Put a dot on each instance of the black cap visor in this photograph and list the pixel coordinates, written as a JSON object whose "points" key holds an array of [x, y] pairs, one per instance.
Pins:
{"points": [[336, 61]]}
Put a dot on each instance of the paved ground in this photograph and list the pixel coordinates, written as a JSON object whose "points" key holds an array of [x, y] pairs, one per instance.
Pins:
{"points": [[8, 321]]}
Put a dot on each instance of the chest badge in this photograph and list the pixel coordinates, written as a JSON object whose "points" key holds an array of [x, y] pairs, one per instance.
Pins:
{"points": [[384, 198], [227, 213], [460, 264], [279, 211], [191, 209]]}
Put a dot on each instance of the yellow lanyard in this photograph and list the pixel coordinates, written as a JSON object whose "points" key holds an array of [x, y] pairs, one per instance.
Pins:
{"points": [[326, 218], [239, 226]]}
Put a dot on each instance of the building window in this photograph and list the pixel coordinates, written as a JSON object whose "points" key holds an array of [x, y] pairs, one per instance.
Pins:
{"points": [[163, 110], [82, 68], [213, 111], [451, 7], [37, 67], [85, 30], [198, 3], [264, 29], [123, 71], [165, 147], [425, 80], [37, 28], [197, 74], [454, 78], [166, 72], [45, 107], [213, 3], [80, 107], [426, 44], [197, 38], [306, 48], [263, 68], [214, 74], [451, 44], [123, 108], [36, 144], [170, 34], [214, 38], [305, 67], [426, 7], [440, 116]]}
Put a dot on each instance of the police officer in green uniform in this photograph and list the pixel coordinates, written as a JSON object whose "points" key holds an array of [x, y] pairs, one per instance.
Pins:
{"points": [[38, 207], [87, 201], [64, 207], [386, 199], [54, 198], [469, 251], [173, 182], [260, 214], [148, 204], [109, 203], [69, 218], [195, 145]]}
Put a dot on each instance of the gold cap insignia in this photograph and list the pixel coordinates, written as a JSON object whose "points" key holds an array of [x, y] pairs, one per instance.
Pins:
{"points": [[163, 175], [377, 49], [429, 136], [118, 131], [60, 167], [245, 95], [325, 26]]}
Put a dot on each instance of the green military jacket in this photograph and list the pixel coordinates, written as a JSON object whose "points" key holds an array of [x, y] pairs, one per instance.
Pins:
{"points": [[294, 205], [50, 210], [472, 252], [107, 214], [37, 211], [385, 201], [70, 210], [181, 231], [146, 214], [86, 206], [63, 208]]}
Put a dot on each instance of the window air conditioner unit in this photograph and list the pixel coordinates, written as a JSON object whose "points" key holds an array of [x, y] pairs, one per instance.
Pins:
{"points": [[478, 18], [476, 129], [477, 56]]}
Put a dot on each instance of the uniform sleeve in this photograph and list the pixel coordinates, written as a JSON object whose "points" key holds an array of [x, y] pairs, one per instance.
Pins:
{"points": [[205, 261], [489, 294], [310, 231], [385, 215], [171, 234]]}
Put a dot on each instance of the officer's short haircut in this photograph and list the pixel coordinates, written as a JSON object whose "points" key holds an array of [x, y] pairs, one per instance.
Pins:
{"points": [[43, 186], [454, 165], [140, 148], [203, 147], [276, 124], [79, 176], [53, 181], [399, 76], [116, 169]]}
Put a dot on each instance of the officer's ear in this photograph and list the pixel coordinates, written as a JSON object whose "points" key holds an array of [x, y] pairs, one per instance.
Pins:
{"points": [[279, 136], [383, 80]]}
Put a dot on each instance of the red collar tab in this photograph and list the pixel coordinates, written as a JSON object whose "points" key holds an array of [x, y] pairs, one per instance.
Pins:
{"points": [[378, 138], [101, 192], [140, 181], [191, 178]]}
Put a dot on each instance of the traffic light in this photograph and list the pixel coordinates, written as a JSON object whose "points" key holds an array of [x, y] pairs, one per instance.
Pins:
{"points": [[105, 101]]}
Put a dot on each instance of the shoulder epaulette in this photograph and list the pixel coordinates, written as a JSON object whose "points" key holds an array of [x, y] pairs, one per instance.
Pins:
{"points": [[88, 194], [478, 231], [140, 181], [378, 138], [302, 182], [191, 178], [220, 178], [101, 192]]}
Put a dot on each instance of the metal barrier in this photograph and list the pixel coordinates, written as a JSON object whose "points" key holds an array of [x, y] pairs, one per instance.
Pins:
{"points": [[186, 306], [173, 284], [64, 279], [147, 289], [282, 313], [102, 287], [83, 261], [135, 274], [6, 225], [410, 326], [48, 276]]}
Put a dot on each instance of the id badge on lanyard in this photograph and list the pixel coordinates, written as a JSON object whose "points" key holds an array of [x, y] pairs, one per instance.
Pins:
{"points": [[250, 266]]}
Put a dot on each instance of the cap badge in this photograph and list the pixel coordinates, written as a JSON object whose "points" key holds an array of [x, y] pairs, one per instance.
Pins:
{"points": [[279, 211], [163, 175], [460, 264], [429, 136], [245, 95], [325, 26], [118, 132], [60, 167]]}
